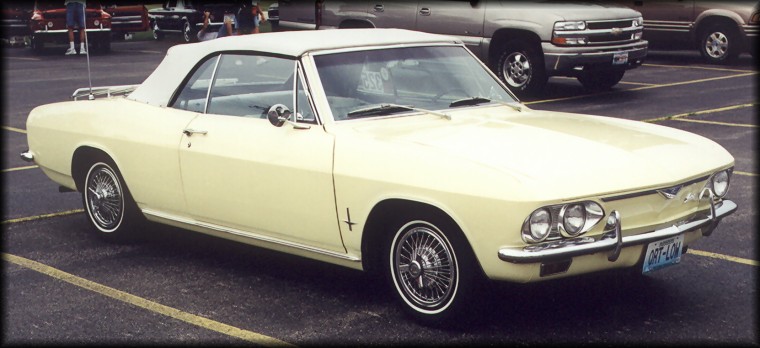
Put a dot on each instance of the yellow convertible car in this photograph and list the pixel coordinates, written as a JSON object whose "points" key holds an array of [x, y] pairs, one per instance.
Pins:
{"points": [[383, 150]]}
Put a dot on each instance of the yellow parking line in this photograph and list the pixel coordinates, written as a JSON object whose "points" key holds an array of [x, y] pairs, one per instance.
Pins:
{"points": [[19, 168], [144, 303], [693, 81], [640, 88], [744, 173], [718, 123], [702, 112], [44, 216], [695, 67], [13, 129], [23, 58], [724, 257]]}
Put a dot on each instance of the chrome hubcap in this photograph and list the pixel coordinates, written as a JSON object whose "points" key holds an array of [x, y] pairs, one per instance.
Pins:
{"points": [[424, 266], [103, 195], [716, 45], [517, 69]]}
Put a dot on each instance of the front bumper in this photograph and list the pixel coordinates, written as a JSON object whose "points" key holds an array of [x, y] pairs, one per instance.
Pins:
{"points": [[612, 241], [569, 60]]}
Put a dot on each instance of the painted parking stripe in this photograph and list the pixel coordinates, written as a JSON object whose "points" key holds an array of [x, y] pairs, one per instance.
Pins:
{"points": [[641, 88], [744, 173], [155, 307], [13, 129], [694, 67], [19, 168], [44, 216], [718, 123], [701, 112], [724, 257]]}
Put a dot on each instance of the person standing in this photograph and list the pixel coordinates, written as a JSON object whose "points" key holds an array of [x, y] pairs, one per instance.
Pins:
{"points": [[258, 17], [75, 18], [245, 20]]}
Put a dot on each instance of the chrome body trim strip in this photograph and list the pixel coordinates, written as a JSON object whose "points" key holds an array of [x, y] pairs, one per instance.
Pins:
{"points": [[252, 236], [652, 191], [612, 241]]}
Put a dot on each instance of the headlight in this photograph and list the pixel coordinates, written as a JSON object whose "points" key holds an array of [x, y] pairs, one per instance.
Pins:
{"points": [[576, 25], [755, 18], [561, 221], [573, 218], [539, 225], [720, 182]]}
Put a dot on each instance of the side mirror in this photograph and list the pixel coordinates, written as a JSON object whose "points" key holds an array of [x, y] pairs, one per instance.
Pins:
{"points": [[278, 114]]}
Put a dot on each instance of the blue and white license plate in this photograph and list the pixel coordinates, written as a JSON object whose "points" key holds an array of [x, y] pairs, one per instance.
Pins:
{"points": [[663, 253], [620, 58]]}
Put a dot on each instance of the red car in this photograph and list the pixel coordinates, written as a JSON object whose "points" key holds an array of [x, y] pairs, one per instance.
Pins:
{"points": [[15, 22], [48, 25], [127, 16]]}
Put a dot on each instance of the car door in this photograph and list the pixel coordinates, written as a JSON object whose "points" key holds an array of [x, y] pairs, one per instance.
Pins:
{"points": [[248, 177], [393, 14], [463, 19], [666, 21]]}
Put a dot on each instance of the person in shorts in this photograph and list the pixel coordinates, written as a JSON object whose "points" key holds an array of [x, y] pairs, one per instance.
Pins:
{"points": [[75, 19]]}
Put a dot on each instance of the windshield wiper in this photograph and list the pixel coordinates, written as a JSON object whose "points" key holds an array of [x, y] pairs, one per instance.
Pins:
{"points": [[480, 100], [385, 109]]}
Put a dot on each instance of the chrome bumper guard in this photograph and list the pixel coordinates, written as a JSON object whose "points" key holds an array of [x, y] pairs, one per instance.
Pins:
{"points": [[27, 156], [612, 240]]}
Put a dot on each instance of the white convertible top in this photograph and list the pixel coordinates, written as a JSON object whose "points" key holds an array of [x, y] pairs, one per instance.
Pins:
{"points": [[158, 88]]}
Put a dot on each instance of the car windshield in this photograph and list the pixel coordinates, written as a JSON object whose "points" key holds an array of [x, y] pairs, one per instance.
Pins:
{"points": [[380, 82]]}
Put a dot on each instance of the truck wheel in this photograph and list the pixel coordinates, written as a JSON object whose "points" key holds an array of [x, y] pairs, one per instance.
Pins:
{"points": [[521, 67], [719, 44], [602, 79]]}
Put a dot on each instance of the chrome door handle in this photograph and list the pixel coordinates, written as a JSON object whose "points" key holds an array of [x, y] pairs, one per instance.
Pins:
{"points": [[424, 11], [379, 8], [190, 132]]}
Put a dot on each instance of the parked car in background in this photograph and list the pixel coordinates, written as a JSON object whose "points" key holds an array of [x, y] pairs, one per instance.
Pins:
{"points": [[15, 21], [48, 25], [391, 151], [720, 30], [185, 17], [524, 42], [273, 16], [127, 16]]}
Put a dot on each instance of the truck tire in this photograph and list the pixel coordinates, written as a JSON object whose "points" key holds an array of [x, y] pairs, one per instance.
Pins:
{"points": [[521, 67], [602, 79], [719, 43]]}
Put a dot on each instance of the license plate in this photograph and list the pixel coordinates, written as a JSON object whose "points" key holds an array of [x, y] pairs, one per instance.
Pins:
{"points": [[620, 58], [663, 253]]}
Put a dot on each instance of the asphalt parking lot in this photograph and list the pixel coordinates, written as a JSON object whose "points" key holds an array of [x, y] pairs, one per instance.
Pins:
{"points": [[61, 285]]}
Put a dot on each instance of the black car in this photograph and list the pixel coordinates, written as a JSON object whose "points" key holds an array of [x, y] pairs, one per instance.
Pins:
{"points": [[185, 17]]}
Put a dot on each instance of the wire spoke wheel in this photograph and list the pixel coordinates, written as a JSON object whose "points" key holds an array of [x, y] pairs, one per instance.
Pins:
{"points": [[104, 198], [424, 267]]}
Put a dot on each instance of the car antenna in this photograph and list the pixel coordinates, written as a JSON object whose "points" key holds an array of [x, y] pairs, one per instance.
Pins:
{"points": [[87, 51]]}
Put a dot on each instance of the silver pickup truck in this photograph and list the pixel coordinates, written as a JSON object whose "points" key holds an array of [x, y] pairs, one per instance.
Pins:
{"points": [[523, 42]]}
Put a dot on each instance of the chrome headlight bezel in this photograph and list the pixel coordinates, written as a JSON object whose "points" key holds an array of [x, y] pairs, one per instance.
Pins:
{"points": [[570, 26], [720, 182], [592, 214]]}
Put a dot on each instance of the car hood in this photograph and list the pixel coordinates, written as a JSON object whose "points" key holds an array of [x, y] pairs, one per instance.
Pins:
{"points": [[570, 10], [571, 155]]}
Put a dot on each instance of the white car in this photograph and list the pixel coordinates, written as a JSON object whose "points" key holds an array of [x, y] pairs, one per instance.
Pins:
{"points": [[382, 150]]}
